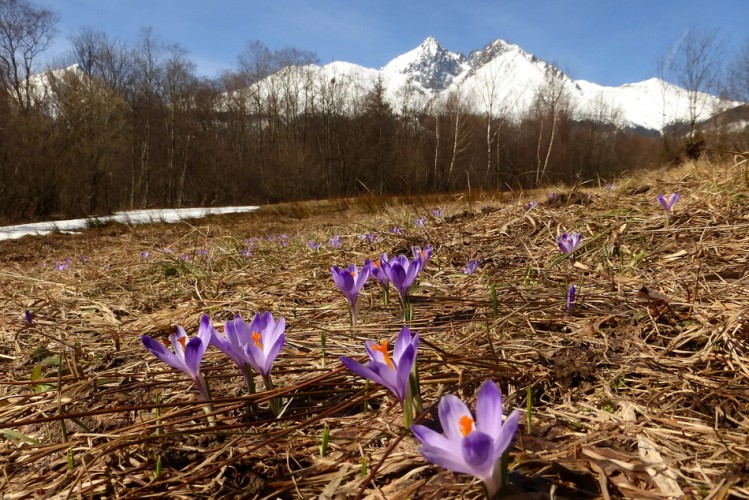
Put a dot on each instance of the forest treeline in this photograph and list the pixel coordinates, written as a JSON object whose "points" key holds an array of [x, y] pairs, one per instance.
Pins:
{"points": [[133, 126]]}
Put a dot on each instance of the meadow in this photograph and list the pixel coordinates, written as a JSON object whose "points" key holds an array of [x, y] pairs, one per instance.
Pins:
{"points": [[637, 388]]}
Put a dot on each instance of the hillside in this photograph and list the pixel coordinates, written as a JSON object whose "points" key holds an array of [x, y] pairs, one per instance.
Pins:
{"points": [[637, 391]]}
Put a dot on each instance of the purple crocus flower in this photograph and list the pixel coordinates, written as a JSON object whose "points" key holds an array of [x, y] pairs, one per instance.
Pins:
{"points": [[424, 254], [375, 269], [402, 272], [187, 355], [145, 254], [437, 213], [27, 317], [471, 266], [61, 266], [530, 205], [376, 273], [571, 292], [568, 243], [202, 251], [232, 342], [184, 257], [245, 252], [420, 222], [350, 280], [471, 446], [266, 337], [668, 200], [392, 373], [314, 245], [335, 241]]}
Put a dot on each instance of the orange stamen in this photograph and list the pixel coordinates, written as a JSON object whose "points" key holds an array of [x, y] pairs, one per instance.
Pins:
{"points": [[466, 425], [183, 341], [256, 338], [382, 347], [377, 263]]}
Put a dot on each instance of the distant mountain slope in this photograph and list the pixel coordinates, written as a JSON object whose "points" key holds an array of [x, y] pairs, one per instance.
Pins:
{"points": [[503, 79]]}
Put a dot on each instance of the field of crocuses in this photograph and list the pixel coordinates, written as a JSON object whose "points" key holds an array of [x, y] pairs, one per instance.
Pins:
{"points": [[568, 343]]}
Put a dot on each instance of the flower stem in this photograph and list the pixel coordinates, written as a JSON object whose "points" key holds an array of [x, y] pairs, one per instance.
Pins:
{"points": [[408, 416], [415, 389], [352, 315], [275, 403], [249, 379], [406, 308], [205, 395]]}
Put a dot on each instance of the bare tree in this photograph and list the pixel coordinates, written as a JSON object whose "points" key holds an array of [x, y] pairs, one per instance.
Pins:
{"points": [[738, 75], [451, 119], [25, 32], [100, 57], [695, 63], [552, 104], [179, 83], [89, 142], [493, 76], [148, 91]]}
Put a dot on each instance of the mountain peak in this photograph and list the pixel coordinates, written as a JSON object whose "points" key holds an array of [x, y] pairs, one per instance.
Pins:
{"points": [[430, 64]]}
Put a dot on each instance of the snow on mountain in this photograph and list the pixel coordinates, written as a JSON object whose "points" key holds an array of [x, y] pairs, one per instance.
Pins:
{"points": [[651, 104], [501, 79], [429, 65]]}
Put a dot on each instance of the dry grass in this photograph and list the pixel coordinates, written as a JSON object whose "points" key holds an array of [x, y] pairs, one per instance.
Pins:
{"points": [[633, 395]]}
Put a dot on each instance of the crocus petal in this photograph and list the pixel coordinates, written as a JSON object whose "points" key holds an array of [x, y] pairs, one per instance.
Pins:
{"points": [[449, 461], [431, 438], [255, 357], [509, 428], [399, 278], [478, 452], [161, 352], [361, 370], [450, 411], [237, 334], [348, 286], [489, 409], [272, 331], [361, 278], [401, 342], [390, 379], [193, 356], [205, 331], [405, 364], [270, 357], [375, 355], [177, 345]]}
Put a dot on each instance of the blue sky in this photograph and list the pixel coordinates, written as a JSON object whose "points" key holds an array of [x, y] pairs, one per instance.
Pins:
{"points": [[610, 42]]}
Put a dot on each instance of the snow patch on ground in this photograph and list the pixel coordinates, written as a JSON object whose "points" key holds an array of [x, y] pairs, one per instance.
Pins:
{"points": [[169, 215]]}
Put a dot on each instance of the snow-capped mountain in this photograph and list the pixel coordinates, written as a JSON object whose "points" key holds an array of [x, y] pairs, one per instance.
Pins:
{"points": [[504, 80], [430, 65]]}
